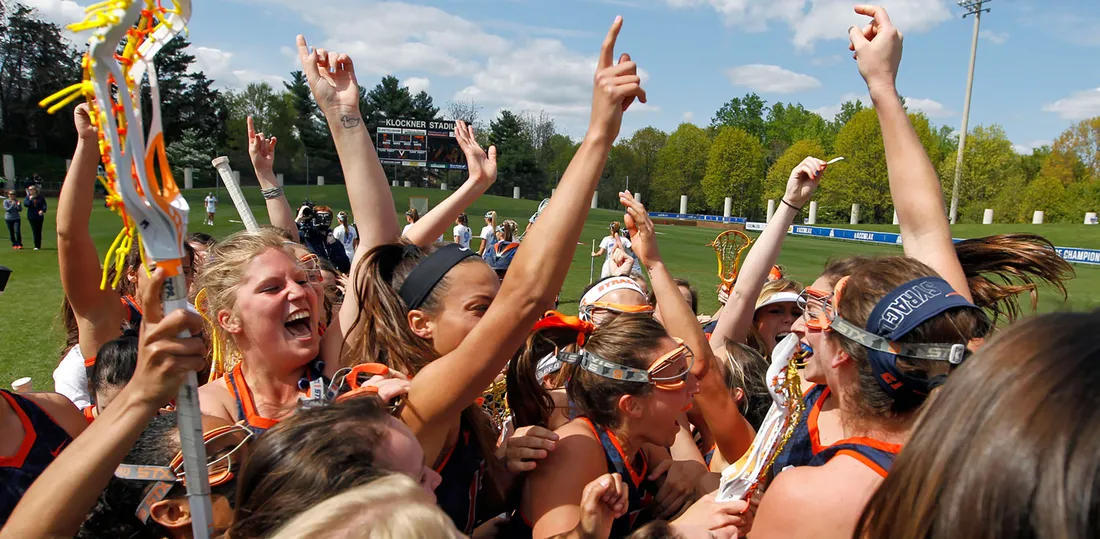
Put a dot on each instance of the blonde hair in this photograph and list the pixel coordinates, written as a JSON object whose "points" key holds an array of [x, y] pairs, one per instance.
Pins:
{"points": [[221, 276], [769, 290], [391, 507]]}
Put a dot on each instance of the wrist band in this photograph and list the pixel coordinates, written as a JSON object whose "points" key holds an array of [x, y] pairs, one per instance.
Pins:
{"points": [[274, 192], [792, 206]]}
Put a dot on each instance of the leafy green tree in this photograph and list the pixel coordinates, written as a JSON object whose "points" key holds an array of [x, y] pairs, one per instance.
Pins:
{"points": [[423, 108], [193, 149], [516, 164], [861, 178], [1047, 194], [562, 149], [745, 113], [646, 143], [1075, 155], [989, 164], [681, 165], [735, 168], [789, 123], [388, 99], [310, 130], [776, 182]]}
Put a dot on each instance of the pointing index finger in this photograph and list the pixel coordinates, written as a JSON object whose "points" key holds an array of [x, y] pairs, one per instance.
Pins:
{"points": [[607, 50], [251, 129], [877, 12], [309, 63]]}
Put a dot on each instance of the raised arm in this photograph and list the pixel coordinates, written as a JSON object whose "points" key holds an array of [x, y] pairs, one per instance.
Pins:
{"points": [[261, 150], [446, 386], [732, 432], [914, 187], [98, 312], [59, 500], [483, 172], [735, 319], [332, 80]]}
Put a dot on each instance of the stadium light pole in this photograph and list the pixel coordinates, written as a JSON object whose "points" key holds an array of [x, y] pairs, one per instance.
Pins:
{"points": [[975, 8]]}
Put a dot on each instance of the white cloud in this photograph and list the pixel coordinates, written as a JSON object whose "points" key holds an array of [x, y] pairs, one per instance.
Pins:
{"points": [[60, 12], [815, 20], [828, 112], [416, 84], [930, 108], [688, 116], [1027, 148], [827, 60], [771, 79], [1078, 106], [996, 38], [388, 37], [217, 65]]}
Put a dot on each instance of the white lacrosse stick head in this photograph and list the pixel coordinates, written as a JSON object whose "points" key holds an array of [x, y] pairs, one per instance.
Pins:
{"points": [[777, 371]]}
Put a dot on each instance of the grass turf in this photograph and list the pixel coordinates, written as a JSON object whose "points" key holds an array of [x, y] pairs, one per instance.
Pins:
{"points": [[30, 338]]}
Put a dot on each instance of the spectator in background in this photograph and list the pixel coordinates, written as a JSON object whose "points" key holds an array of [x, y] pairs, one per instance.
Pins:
{"points": [[488, 232], [211, 203], [345, 234], [36, 213], [462, 233], [12, 207]]}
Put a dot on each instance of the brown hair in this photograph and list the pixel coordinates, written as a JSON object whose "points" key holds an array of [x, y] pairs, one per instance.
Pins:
{"points": [[1008, 451], [381, 333], [413, 214], [680, 283], [745, 368], [528, 399], [866, 286], [508, 229], [629, 340], [1017, 261], [309, 456]]}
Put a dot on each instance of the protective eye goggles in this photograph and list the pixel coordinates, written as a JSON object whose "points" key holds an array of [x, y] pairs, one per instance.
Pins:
{"points": [[819, 308], [348, 383], [664, 373], [219, 466], [311, 263], [619, 308]]}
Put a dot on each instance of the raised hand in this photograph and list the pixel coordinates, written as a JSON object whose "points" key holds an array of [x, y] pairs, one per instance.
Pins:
{"points": [[643, 239], [603, 500], [616, 87], [803, 181], [722, 519], [481, 166], [331, 77], [877, 48], [261, 149], [164, 358], [82, 119], [526, 446]]}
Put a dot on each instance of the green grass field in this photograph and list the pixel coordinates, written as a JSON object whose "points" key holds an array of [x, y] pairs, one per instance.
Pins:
{"points": [[30, 338]]}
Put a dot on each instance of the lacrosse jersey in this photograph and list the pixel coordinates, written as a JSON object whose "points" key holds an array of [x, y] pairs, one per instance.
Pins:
{"points": [[43, 440]]}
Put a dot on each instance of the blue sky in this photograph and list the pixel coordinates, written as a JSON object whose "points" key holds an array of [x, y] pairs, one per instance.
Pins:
{"points": [[1036, 71]]}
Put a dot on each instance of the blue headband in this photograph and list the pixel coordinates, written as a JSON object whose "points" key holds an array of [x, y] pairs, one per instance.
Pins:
{"points": [[901, 311]]}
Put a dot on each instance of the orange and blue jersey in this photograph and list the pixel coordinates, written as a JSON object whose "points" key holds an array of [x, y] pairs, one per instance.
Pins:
{"points": [[463, 474], [875, 454], [641, 492], [43, 440], [246, 406], [805, 442]]}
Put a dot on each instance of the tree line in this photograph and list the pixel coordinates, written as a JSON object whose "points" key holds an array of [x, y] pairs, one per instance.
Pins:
{"points": [[746, 151]]}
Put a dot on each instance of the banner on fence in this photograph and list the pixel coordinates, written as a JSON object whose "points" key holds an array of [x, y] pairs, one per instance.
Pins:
{"points": [[1070, 254], [697, 217]]}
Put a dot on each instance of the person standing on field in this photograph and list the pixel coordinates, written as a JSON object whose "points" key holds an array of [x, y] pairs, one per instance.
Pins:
{"points": [[211, 207], [12, 208], [36, 213]]}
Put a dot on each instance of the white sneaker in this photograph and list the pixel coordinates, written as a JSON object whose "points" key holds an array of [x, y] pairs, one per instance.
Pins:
{"points": [[36, 248]]}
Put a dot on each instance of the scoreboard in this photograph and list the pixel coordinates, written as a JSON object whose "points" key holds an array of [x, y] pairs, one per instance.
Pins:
{"points": [[419, 143]]}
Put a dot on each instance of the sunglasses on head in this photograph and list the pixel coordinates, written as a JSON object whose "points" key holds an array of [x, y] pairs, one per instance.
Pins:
{"points": [[311, 263], [663, 373], [219, 467]]}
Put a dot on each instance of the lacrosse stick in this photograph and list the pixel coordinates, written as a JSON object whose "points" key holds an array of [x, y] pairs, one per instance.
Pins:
{"points": [[152, 210], [742, 478], [222, 164], [542, 206], [728, 247], [592, 263], [495, 403]]}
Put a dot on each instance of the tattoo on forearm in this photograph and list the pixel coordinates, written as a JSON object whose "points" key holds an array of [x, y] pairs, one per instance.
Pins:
{"points": [[349, 121]]}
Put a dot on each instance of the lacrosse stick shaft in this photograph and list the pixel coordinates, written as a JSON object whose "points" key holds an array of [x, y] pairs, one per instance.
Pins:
{"points": [[235, 193], [592, 263]]}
